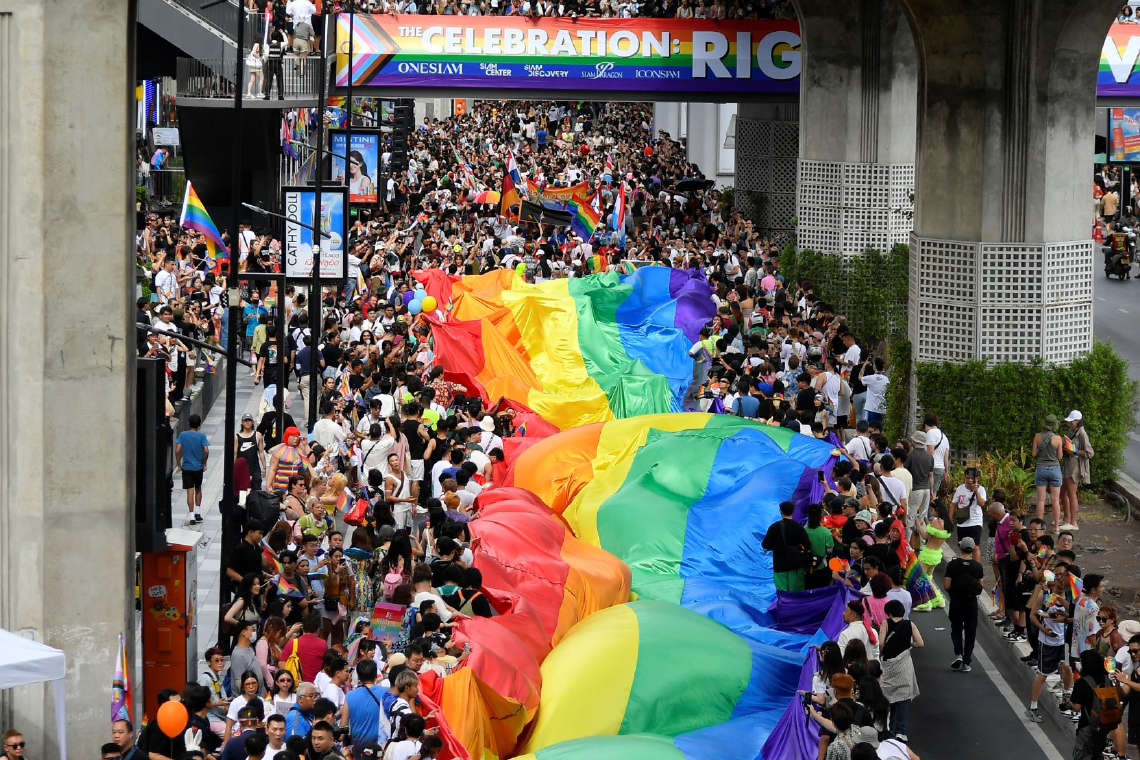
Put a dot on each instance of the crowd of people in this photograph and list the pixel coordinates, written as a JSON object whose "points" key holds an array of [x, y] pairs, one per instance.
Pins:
{"points": [[376, 496]]}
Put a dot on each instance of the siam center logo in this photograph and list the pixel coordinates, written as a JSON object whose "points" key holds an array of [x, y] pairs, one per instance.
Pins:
{"points": [[603, 70]]}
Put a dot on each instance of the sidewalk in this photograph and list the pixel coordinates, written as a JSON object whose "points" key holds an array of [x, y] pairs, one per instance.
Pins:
{"points": [[210, 547]]}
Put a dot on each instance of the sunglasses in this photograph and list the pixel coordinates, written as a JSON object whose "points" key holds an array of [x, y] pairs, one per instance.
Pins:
{"points": [[1103, 619], [16, 745]]}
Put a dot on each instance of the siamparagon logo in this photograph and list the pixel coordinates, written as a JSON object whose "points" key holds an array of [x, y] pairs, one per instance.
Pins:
{"points": [[493, 70], [539, 71], [603, 70], [656, 74]]}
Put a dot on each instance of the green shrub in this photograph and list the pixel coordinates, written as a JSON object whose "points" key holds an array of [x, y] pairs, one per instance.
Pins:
{"points": [[870, 289], [897, 426], [998, 408]]}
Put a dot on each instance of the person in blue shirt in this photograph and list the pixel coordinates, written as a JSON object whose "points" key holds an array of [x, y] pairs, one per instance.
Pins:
{"points": [[191, 451], [365, 706], [251, 315], [299, 719], [745, 405]]}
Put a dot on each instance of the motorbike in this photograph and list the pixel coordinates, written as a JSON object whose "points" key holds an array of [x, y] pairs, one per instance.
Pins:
{"points": [[1118, 254]]}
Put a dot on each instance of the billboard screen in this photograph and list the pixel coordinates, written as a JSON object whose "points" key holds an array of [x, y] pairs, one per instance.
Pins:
{"points": [[663, 56], [363, 166], [298, 203], [1118, 75], [1124, 134]]}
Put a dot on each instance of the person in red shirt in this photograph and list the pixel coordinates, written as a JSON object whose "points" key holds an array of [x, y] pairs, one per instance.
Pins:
{"points": [[310, 647]]}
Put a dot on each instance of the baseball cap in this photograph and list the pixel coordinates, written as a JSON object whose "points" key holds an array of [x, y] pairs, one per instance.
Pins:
{"points": [[1074, 416], [966, 544], [247, 416]]}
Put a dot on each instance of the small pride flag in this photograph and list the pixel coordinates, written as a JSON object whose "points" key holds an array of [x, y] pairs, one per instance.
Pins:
{"points": [[285, 588]]}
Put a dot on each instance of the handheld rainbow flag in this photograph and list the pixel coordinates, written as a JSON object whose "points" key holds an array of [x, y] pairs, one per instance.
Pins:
{"points": [[285, 588], [211, 364], [511, 187], [195, 217], [619, 216], [1075, 586], [585, 219], [361, 283], [269, 557], [121, 685]]}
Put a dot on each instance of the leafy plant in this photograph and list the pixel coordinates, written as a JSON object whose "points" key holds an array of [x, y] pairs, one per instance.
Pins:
{"points": [[141, 195], [898, 425], [870, 289], [998, 408], [727, 200]]}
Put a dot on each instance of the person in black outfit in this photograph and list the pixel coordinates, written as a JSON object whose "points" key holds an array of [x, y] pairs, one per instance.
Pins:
{"points": [[157, 744], [274, 61], [790, 547], [882, 550], [963, 584], [196, 697]]}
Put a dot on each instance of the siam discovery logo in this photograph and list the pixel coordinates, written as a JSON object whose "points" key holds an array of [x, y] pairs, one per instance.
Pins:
{"points": [[603, 70], [540, 71]]}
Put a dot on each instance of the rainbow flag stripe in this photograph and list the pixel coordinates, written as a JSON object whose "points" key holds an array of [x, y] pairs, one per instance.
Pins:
{"points": [[195, 217], [577, 350], [645, 508]]}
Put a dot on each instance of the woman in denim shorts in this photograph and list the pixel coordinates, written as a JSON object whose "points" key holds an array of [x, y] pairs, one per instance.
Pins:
{"points": [[1047, 452]]}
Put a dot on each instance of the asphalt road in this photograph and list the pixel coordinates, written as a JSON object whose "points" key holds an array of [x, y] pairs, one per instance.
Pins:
{"points": [[978, 715], [1115, 318]]}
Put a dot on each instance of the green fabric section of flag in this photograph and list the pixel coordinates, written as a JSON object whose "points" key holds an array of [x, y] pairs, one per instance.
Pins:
{"points": [[610, 748], [644, 522], [631, 388], [664, 697]]}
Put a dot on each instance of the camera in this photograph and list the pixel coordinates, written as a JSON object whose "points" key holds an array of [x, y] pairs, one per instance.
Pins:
{"points": [[341, 734]]}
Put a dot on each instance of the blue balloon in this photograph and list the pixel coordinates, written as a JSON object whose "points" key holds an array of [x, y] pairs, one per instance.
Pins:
{"points": [[409, 296], [415, 307]]}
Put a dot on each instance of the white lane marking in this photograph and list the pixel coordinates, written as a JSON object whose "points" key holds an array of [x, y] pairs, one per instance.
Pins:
{"points": [[1123, 311], [1099, 298], [1018, 706], [1131, 434]]}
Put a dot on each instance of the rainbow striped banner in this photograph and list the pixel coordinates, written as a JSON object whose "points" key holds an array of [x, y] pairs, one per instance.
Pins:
{"points": [[616, 54], [195, 217]]}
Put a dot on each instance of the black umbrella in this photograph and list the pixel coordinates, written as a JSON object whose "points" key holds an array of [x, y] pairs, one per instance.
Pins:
{"points": [[691, 184]]}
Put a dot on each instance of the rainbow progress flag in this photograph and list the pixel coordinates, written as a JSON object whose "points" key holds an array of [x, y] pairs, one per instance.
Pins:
{"points": [[580, 350], [646, 508], [585, 219], [195, 217]]}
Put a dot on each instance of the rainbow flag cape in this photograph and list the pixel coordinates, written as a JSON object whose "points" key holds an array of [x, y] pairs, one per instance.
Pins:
{"points": [[195, 217], [644, 508], [285, 588], [578, 350]]}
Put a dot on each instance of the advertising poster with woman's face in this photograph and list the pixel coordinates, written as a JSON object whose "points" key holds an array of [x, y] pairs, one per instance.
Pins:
{"points": [[361, 170]]}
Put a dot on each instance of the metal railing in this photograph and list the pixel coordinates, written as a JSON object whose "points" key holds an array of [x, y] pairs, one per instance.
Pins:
{"points": [[223, 18], [166, 185], [214, 78]]}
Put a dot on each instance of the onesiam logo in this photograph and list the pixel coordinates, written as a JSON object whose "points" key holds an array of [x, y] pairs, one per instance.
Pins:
{"points": [[418, 67], [603, 70]]}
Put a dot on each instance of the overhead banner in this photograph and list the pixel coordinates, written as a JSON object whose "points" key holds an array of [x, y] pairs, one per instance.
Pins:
{"points": [[363, 168], [1119, 76], [661, 56], [298, 204], [1124, 131]]}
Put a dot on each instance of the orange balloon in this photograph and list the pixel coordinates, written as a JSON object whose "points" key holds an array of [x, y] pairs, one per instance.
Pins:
{"points": [[172, 719]]}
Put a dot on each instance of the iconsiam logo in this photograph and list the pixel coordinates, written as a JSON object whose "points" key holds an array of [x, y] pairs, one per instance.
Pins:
{"points": [[603, 70]]}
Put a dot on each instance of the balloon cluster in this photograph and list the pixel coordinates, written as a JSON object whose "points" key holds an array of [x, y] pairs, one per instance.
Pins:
{"points": [[419, 301]]}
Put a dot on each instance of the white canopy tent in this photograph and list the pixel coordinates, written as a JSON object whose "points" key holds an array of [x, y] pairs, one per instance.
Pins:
{"points": [[23, 662]]}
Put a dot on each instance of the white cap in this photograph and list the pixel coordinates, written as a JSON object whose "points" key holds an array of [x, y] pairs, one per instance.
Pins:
{"points": [[1074, 416]]}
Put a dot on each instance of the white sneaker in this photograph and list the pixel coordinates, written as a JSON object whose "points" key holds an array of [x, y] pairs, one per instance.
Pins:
{"points": [[1067, 526], [965, 668]]}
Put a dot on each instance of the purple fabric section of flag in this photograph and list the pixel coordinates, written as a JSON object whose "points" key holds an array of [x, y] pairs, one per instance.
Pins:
{"points": [[694, 307]]}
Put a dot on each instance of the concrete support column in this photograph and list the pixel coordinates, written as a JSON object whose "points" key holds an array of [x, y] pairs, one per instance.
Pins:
{"points": [[66, 372], [1001, 256], [855, 175]]}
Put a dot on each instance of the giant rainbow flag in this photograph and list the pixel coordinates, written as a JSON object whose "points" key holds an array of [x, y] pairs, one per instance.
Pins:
{"points": [[667, 510], [577, 350]]}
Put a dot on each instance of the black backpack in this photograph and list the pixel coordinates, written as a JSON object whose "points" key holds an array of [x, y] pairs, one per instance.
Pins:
{"points": [[262, 508]]}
